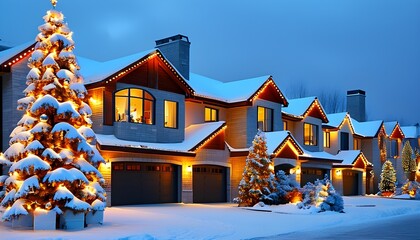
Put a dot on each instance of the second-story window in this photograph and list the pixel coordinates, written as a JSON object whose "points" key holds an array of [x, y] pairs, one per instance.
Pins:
{"points": [[392, 148], [171, 114], [134, 105], [211, 114], [310, 134], [344, 141], [327, 140], [265, 119]]}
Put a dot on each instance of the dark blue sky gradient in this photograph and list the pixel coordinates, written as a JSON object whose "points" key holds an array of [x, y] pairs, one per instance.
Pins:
{"points": [[324, 45]]}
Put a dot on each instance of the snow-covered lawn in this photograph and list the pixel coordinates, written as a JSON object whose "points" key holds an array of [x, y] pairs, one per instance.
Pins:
{"points": [[221, 221]]}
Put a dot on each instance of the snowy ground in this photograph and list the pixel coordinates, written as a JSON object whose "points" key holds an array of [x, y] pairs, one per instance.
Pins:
{"points": [[226, 221]]}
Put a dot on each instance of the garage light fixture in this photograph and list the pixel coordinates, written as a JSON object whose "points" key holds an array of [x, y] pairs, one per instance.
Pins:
{"points": [[189, 168]]}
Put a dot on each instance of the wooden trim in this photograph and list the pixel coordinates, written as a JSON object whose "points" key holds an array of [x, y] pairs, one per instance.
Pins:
{"points": [[18, 56], [221, 128]]}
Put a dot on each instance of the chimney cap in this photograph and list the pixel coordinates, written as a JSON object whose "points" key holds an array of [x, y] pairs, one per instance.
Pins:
{"points": [[356, 92], [170, 39]]}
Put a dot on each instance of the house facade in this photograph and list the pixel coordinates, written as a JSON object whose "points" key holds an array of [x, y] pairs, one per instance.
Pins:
{"points": [[169, 135]]}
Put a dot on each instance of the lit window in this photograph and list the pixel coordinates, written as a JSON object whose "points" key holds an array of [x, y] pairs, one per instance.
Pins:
{"points": [[357, 144], [285, 126], [171, 114], [310, 134], [265, 119], [211, 115], [327, 140], [134, 105]]}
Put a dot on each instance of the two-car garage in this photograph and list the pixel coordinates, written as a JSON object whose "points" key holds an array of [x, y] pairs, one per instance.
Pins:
{"points": [[150, 183]]}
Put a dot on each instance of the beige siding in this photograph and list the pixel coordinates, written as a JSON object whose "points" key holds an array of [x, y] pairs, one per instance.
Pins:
{"points": [[236, 131]]}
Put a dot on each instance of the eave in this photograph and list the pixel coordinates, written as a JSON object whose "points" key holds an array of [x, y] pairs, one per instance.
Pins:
{"points": [[144, 150], [6, 65]]}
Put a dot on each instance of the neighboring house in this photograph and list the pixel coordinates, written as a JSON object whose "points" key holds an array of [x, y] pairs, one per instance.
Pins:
{"points": [[353, 174], [394, 144], [370, 134], [304, 118]]}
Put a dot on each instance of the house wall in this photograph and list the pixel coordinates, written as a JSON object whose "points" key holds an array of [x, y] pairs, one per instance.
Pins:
{"points": [[335, 139], [98, 108], [194, 112], [298, 134], [155, 132], [290, 126], [238, 166], [370, 149], [236, 131], [13, 84]]}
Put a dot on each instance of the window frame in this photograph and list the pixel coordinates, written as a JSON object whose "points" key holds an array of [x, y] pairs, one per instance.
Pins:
{"points": [[312, 138], [264, 125], [327, 139], [152, 99], [344, 136], [177, 113], [211, 110]]}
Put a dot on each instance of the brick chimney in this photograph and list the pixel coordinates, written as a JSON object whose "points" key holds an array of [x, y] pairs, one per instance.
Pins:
{"points": [[177, 50], [356, 105]]}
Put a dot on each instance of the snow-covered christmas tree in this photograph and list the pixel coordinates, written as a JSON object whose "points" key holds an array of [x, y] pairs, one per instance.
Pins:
{"points": [[258, 176], [388, 179], [408, 161], [53, 165]]}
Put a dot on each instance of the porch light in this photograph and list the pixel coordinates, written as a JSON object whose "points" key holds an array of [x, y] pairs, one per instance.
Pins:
{"points": [[298, 171], [338, 172], [189, 168]]}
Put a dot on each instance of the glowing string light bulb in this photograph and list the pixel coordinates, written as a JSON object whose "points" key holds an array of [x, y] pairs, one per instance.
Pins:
{"points": [[54, 2]]}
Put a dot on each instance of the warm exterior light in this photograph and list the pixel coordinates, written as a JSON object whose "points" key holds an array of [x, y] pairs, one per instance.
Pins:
{"points": [[338, 172], [189, 168], [298, 170]]}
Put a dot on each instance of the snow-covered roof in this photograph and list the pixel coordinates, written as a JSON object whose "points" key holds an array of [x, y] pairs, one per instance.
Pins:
{"points": [[350, 157], [299, 107], [410, 131], [229, 92], [276, 139], [7, 54], [335, 119], [93, 71], [393, 127], [366, 129], [194, 136], [321, 156]]}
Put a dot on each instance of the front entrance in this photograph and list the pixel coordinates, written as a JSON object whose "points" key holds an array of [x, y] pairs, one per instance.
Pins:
{"points": [[350, 182], [144, 183], [209, 184]]}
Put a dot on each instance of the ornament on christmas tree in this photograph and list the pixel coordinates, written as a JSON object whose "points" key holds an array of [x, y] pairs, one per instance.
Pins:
{"points": [[43, 118]]}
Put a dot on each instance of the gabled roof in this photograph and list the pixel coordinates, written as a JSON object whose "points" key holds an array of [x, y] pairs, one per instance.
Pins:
{"points": [[337, 120], [367, 129], [350, 158], [299, 108], [393, 130], [277, 140], [195, 136], [14, 54], [233, 91], [410, 131]]}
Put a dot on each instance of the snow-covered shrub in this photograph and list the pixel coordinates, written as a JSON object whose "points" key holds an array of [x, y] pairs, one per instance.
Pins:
{"points": [[285, 189], [323, 195]]}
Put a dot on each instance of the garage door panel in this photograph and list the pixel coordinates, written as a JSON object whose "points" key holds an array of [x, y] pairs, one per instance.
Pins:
{"points": [[311, 175], [350, 183], [209, 184], [144, 183]]}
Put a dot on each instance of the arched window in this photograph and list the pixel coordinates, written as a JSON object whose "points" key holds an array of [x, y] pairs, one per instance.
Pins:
{"points": [[134, 105]]}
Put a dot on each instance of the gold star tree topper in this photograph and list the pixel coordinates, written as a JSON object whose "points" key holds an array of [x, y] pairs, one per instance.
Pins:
{"points": [[54, 2]]}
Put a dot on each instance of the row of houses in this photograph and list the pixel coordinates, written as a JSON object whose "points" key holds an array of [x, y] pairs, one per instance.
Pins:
{"points": [[169, 135]]}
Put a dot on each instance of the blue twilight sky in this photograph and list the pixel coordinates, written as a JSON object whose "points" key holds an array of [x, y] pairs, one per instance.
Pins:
{"points": [[326, 45]]}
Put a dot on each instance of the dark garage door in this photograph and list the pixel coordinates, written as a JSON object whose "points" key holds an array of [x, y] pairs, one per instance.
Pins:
{"points": [[209, 184], [350, 183], [142, 183], [311, 175]]}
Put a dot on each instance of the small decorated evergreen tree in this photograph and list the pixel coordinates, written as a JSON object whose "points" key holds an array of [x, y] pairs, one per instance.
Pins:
{"points": [[408, 162], [258, 176], [53, 165], [388, 179]]}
